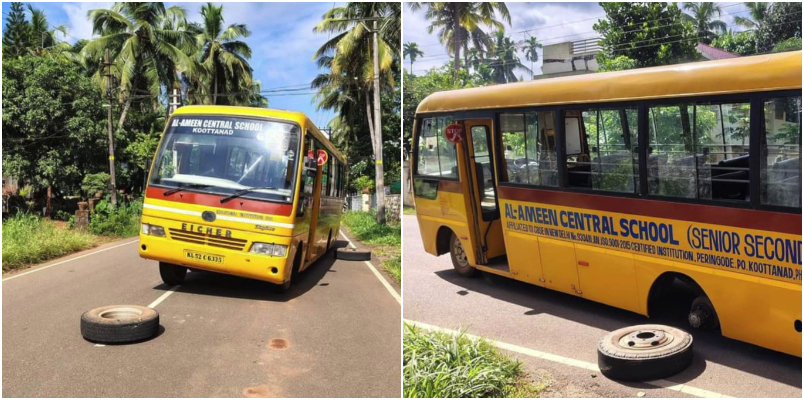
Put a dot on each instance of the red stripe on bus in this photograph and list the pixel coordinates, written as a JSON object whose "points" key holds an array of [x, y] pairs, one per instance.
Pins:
{"points": [[210, 200], [450, 186], [727, 216]]}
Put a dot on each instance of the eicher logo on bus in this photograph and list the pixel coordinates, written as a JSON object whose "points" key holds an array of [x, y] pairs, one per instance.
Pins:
{"points": [[769, 254], [206, 229]]}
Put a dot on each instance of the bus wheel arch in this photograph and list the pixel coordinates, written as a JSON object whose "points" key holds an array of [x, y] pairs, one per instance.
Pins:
{"points": [[701, 310], [443, 238]]}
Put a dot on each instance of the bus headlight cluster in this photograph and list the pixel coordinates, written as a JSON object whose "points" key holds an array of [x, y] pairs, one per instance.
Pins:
{"points": [[153, 230], [276, 250]]}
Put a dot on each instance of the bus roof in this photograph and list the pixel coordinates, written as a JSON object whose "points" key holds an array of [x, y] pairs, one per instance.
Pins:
{"points": [[292, 116], [744, 74]]}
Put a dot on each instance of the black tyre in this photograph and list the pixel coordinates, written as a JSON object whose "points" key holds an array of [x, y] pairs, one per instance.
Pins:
{"points": [[119, 324], [349, 254], [644, 352], [703, 315], [172, 274], [294, 274], [459, 260]]}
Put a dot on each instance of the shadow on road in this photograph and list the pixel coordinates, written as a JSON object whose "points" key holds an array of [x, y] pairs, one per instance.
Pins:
{"points": [[221, 285], [709, 346]]}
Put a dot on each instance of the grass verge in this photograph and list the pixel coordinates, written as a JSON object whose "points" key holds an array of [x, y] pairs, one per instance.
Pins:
{"points": [[436, 364], [385, 241], [28, 239], [408, 210]]}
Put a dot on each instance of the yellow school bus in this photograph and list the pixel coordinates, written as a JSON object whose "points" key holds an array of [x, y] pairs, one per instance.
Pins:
{"points": [[251, 192], [627, 187]]}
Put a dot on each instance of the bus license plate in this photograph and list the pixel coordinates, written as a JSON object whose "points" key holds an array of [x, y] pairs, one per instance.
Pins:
{"points": [[203, 257]]}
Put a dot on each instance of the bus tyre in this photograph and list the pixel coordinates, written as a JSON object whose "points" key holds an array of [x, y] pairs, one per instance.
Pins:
{"points": [[644, 352], [348, 254], [119, 324], [459, 260], [172, 274]]}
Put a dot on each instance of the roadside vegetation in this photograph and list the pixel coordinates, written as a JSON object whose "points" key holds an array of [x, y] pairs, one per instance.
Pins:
{"points": [[408, 210], [29, 239], [437, 364], [385, 240]]}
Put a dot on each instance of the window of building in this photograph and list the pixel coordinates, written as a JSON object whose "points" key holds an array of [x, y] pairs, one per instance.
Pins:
{"points": [[699, 151], [529, 151], [437, 157], [602, 149], [780, 161]]}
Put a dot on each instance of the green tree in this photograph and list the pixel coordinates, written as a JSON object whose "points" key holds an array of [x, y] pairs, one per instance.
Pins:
{"points": [[145, 54], [16, 32], [791, 44], [412, 52], [648, 33], [455, 22], [619, 63], [742, 43], [53, 127], [758, 11], [782, 22], [504, 60], [41, 37], [703, 17], [531, 48], [223, 57]]}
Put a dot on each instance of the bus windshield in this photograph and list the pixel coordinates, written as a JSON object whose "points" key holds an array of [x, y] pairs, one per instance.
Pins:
{"points": [[224, 155]]}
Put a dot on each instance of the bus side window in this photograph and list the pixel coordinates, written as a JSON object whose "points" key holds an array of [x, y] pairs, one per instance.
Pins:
{"points": [[528, 148], [436, 155], [780, 163], [604, 157]]}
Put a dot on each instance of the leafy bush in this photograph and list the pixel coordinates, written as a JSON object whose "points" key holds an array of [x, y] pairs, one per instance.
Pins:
{"points": [[122, 221], [363, 183], [364, 227], [28, 239], [94, 183], [436, 364]]}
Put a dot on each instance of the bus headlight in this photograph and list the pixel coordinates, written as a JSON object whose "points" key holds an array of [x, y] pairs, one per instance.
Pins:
{"points": [[276, 250], [153, 230]]}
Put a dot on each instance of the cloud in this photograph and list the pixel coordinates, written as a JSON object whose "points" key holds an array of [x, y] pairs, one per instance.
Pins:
{"points": [[78, 25]]}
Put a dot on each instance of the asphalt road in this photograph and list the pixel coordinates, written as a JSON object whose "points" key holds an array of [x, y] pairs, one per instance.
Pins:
{"points": [[338, 330], [540, 319]]}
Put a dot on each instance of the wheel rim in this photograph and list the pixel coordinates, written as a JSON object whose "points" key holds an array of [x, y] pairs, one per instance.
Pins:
{"points": [[121, 313], [645, 339], [460, 255]]}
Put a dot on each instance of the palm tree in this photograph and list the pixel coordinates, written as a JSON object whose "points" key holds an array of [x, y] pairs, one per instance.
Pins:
{"points": [[348, 57], [223, 55], [411, 51], [456, 21], [143, 51], [531, 48], [758, 11], [701, 16], [504, 60], [41, 37]]}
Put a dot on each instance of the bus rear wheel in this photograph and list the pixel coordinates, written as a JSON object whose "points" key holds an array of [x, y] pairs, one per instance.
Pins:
{"points": [[459, 260], [172, 274]]}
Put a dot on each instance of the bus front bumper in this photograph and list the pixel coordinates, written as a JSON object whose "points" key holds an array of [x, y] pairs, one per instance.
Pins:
{"points": [[274, 269]]}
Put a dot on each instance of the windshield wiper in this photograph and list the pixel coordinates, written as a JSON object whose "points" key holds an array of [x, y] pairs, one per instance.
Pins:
{"points": [[183, 187], [244, 191]]}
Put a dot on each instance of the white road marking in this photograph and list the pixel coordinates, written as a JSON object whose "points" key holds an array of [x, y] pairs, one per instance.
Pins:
{"points": [[662, 383], [377, 274], [68, 260], [164, 296], [100, 345]]}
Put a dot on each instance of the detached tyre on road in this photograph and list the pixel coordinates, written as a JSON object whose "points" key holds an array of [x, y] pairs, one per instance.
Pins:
{"points": [[119, 324], [345, 253], [644, 353]]}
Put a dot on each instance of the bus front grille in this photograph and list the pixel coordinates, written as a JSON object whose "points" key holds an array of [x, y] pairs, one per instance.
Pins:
{"points": [[228, 243]]}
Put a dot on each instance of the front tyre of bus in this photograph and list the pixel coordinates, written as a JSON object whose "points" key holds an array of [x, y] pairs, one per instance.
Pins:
{"points": [[294, 274], [172, 274], [459, 260]]}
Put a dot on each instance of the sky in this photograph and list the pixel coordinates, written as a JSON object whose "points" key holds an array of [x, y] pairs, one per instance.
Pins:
{"points": [[551, 23], [282, 42]]}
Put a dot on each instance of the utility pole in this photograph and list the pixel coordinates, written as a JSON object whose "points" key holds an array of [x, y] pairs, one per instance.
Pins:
{"points": [[174, 101], [113, 185], [378, 167]]}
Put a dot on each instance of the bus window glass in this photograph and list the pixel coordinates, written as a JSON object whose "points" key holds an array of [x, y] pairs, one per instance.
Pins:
{"points": [[529, 148], [483, 168], [671, 154], [324, 168], [606, 158], [437, 156], [780, 168]]}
